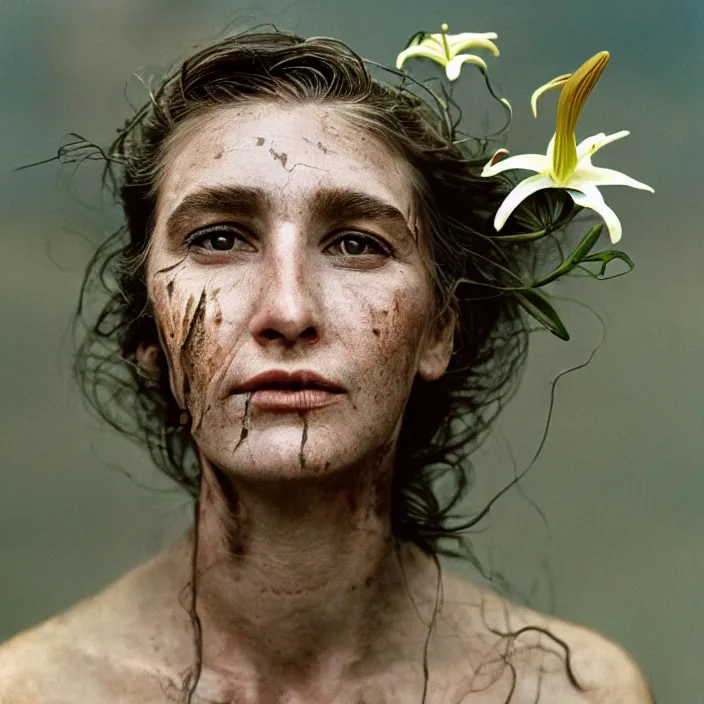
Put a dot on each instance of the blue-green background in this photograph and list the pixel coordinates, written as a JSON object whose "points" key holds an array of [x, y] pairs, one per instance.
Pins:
{"points": [[620, 478]]}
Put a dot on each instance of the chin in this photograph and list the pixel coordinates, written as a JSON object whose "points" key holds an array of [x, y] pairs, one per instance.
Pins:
{"points": [[283, 451], [294, 445]]}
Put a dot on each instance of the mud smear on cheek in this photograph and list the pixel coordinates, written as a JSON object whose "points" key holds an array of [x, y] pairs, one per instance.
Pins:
{"points": [[188, 356]]}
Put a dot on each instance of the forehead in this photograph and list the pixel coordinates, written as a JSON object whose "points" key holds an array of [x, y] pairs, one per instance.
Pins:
{"points": [[290, 151]]}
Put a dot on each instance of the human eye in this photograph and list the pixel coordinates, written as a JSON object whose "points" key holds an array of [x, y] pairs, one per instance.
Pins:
{"points": [[218, 239], [356, 244]]}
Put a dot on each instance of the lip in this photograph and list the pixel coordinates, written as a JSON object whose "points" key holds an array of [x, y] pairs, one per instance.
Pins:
{"points": [[287, 401], [282, 391]]}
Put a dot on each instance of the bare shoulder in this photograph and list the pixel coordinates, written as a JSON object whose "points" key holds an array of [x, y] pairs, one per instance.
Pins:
{"points": [[32, 665], [605, 671], [545, 659], [96, 651]]}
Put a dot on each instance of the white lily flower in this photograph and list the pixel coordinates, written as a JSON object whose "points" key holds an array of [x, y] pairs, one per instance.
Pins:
{"points": [[567, 165], [446, 49]]}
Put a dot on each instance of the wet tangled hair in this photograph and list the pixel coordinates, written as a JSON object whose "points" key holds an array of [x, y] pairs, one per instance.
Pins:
{"points": [[471, 266]]}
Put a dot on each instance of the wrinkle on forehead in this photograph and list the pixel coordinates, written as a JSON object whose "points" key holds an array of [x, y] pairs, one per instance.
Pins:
{"points": [[196, 153], [207, 129]]}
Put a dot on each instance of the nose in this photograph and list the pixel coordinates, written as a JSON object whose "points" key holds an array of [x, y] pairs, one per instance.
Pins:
{"points": [[285, 310]]}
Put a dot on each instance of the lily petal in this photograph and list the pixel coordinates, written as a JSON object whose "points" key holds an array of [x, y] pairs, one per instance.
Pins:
{"points": [[604, 177], [573, 95], [592, 144], [469, 40], [589, 197], [428, 52], [530, 162], [452, 70], [519, 194], [554, 83]]}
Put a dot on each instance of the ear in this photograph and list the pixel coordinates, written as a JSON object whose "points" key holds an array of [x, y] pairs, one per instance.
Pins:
{"points": [[147, 359], [437, 348]]}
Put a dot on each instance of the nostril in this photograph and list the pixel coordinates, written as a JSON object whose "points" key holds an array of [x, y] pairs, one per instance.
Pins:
{"points": [[271, 334], [310, 334], [288, 336]]}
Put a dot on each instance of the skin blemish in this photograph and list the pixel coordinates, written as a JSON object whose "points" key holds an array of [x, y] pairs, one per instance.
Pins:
{"points": [[260, 141], [170, 288], [245, 422], [219, 154], [304, 437], [194, 339], [279, 156], [217, 318], [376, 331], [322, 148]]}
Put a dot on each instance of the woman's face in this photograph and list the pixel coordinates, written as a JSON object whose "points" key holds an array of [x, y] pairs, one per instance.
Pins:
{"points": [[285, 241]]}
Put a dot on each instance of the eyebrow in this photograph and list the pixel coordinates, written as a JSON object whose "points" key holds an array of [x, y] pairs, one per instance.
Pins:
{"points": [[328, 203]]}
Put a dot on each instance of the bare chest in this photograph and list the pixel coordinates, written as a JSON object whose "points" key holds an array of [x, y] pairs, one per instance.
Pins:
{"points": [[454, 686]]}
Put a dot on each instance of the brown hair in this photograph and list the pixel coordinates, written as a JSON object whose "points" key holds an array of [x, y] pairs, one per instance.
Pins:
{"points": [[445, 420]]}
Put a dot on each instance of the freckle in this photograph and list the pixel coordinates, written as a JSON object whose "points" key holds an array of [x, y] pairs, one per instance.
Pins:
{"points": [[219, 154], [260, 141], [376, 331], [218, 318], [384, 312]]}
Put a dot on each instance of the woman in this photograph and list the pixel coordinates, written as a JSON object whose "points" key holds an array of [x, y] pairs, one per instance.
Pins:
{"points": [[301, 303]]}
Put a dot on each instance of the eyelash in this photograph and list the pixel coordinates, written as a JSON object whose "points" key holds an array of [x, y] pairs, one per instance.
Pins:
{"points": [[195, 238]]}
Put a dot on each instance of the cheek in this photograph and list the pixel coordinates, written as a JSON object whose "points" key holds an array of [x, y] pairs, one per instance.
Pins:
{"points": [[389, 338], [188, 321]]}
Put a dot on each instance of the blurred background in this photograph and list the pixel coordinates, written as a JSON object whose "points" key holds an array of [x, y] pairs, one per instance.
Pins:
{"points": [[619, 480]]}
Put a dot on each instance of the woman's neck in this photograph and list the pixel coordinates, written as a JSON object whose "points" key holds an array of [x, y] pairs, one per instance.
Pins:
{"points": [[302, 581]]}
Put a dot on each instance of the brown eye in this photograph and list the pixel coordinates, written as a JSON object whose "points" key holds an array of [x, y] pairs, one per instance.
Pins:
{"points": [[218, 240], [354, 245], [221, 242]]}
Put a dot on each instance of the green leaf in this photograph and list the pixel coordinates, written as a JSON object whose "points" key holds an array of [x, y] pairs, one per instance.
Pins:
{"points": [[538, 305], [577, 256], [608, 255], [522, 237], [585, 246], [417, 38]]}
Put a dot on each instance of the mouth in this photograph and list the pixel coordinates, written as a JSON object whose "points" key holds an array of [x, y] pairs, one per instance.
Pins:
{"points": [[280, 391], [292, 400]]}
